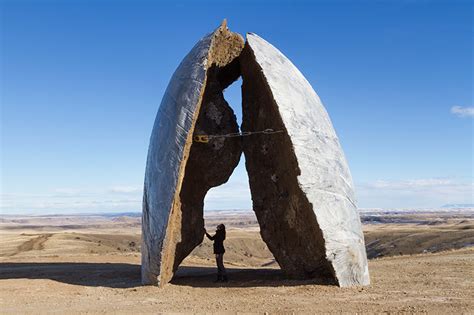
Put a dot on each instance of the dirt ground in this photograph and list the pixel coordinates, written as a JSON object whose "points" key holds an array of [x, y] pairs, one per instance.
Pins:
{"points": [[92, 265]]}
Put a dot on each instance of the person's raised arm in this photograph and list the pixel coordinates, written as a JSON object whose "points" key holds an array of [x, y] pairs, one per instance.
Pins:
{"points": [[209, 236]]}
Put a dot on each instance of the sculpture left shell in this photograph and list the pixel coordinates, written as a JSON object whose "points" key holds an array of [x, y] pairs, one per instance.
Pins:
{"points": [[169, 148]]}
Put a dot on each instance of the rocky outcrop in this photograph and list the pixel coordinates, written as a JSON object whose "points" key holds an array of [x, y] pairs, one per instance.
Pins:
{"points": [[301, 186]]}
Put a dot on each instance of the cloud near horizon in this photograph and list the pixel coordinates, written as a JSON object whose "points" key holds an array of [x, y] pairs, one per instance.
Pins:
{"points": [[410, 193], [415, 193], [73, 200], [126, 189], [462, 111]]}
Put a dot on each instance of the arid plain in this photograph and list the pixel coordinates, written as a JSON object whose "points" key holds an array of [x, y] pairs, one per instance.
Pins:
{"points": [[419, 262]]}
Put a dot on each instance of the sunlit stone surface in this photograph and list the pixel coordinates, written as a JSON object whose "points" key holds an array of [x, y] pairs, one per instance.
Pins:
{"points": [[301, 186]]}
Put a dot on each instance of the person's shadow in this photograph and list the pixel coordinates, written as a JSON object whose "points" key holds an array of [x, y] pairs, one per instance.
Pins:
{"points": [[121, 275]]}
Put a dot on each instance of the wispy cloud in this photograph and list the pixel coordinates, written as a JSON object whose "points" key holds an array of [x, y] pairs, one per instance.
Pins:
{"points": [[232, 195], [70, 200], [416, 193], [427, 192], [67, 191], [414, 184], [462, 111], [126, 189]]}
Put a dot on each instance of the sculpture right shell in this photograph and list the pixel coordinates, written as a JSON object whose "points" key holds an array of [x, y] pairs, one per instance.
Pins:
{"points": [[325, 178]]}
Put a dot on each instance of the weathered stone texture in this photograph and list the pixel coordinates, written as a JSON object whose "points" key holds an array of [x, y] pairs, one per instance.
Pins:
{"points": [[305, 183], [301, 186]]}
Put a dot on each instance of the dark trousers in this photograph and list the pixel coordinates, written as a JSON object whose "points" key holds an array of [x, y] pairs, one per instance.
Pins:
{"points": [[220, 265]]}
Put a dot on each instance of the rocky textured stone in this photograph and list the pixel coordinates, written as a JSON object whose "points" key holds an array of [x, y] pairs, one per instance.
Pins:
{"points": [[301, 186]]}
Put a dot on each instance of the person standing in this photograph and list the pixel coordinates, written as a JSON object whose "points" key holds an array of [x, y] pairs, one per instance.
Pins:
{"points": [[219, 251]]}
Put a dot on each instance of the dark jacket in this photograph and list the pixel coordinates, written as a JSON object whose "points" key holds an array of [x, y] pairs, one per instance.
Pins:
{"points": [[218, 239]]}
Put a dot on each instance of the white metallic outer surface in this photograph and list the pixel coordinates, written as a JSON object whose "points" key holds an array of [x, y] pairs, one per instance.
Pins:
{"points": [[325, 176], [165, 154]]}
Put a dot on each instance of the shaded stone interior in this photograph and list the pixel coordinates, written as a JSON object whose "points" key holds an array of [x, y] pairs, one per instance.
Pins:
{"points": [[287, 222]]}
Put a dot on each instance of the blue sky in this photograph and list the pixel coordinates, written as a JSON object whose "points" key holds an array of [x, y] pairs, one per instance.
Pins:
{"points": [[81, 82]]}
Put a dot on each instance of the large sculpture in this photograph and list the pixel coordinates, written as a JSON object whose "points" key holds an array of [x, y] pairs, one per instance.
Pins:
{"points": [[301, 187]]}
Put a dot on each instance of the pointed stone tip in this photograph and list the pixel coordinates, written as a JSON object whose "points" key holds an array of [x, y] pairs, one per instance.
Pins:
{"points": [[250, 34], [224, 23]]}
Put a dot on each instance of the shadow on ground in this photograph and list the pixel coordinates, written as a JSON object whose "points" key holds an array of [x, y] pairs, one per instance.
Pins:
{"points": [[238, 277], [113, 275], [120, 275]]}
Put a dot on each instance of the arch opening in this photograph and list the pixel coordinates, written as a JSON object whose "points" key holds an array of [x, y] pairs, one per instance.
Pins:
{"points": [[228, 203]]}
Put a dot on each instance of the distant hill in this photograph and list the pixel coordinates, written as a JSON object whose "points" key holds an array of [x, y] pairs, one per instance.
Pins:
{"points": [[122, 214], [459, 205]]}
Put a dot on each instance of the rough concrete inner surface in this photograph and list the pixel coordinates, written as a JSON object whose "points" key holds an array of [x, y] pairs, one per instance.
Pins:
{"points": [[302, 190]]}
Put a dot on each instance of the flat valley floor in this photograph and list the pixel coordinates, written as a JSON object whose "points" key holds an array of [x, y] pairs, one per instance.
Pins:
{"points": [[419, 263]]}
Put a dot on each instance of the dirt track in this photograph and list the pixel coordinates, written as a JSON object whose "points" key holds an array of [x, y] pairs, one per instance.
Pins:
{"points": [[36, 243]]}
